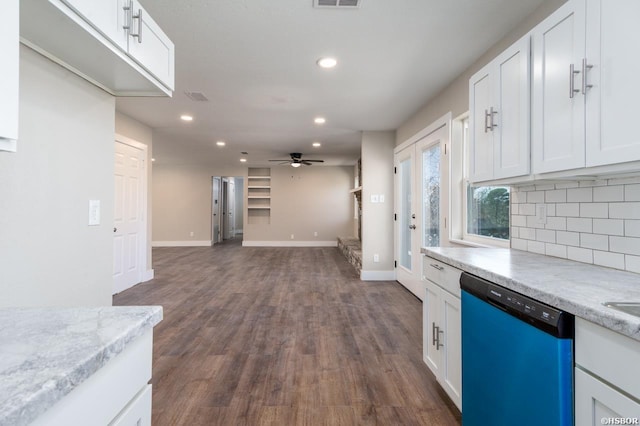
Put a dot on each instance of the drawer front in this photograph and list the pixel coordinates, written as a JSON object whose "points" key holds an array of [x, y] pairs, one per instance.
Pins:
{"points": [[137, 412], [608, 355], [446, 276]]}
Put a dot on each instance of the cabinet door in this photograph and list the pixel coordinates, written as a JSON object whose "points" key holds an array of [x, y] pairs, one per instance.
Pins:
{"points": [[613, 37], [150, 46], [558, 141], [512, 99], [9, 74], [481, 147], [432, 354], [596, 403], [451, 365], [108, 17]]}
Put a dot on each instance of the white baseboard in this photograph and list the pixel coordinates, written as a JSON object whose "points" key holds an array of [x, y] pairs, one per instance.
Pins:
{"points": [[181, 243], [377, 275], [148, 275], [286, 243]]}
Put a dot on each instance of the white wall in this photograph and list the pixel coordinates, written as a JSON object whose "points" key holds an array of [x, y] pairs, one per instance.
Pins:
{"points": [[239, 185], [377, 218], [49, 256]]}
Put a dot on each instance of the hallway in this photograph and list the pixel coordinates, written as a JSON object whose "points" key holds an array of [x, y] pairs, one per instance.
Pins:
{"points": [[284, 336]]}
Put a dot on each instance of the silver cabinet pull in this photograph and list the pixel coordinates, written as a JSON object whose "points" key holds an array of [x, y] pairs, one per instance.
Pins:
{"points": [[127, 16], [438, 267], [585, 67], [139, 18], [438, 344], [489, 124], [572, 83], [492, 113], [486, 121], [434, 333]]}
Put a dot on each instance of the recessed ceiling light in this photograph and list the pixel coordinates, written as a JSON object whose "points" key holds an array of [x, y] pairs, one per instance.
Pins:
{"points": [[243, 160], [221, 143], [316, 144], [153, 159], [327, 62], [186, 118], [319, 120]]}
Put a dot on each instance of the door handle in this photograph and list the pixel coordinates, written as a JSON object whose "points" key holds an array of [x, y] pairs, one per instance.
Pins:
{"points": [[115, 229], [412, 227], [436, 266]]}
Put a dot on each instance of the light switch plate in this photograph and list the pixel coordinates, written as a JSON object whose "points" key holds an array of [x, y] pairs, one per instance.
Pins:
{"points": [[94, 212], [375, 198]]}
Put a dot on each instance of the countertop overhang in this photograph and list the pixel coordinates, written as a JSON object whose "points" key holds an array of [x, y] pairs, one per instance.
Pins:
{"points": [[578, 288], [47, 352]]}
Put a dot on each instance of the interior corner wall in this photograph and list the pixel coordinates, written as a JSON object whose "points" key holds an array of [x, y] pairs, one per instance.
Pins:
{"points": [[133, 129], [455, 97], [49, 256], [304, 201], [377, 218], [182, 202]]}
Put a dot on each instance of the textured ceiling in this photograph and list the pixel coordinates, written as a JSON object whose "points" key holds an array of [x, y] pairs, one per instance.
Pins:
{"points": [[256, 62]]}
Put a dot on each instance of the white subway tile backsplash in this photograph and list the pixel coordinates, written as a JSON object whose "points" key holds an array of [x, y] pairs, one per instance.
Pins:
{"points": [[608, 259], [545, 235], [627, 245], [594, 241], [568, 238], [632, 263], [608, 226], [535, 247], [594, 210], [632, 228], [608, 193], [555, 250], [535, 197], [555, 196], [627, 210], [579, 224], [587, 221], [580, 195], [568, 209], [632, 192], [580, 254], [557, 223]]}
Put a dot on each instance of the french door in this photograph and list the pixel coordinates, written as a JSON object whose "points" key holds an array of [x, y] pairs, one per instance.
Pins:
{"points": [[421, 189]]}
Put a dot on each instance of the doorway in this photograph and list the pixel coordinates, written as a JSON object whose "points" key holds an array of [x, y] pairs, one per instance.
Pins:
{"points": [[226, 208]]}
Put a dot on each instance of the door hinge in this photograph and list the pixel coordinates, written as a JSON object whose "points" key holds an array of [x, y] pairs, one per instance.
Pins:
{"points": [[395, 217], [445, 149], [395, 170], [395, 263], [445, 223]]}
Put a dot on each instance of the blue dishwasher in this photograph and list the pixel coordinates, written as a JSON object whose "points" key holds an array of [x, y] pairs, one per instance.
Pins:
{"points": [[517, 358]]}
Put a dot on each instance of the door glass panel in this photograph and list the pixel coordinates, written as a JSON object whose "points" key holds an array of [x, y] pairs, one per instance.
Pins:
{"points": [[405, 213], [431, 196]]}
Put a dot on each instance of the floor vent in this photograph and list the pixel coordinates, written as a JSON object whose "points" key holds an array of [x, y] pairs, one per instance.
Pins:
{"points": [[196, 96], [337, 3]]}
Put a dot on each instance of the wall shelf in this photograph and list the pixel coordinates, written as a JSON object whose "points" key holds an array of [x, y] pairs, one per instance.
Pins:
{"points": [[259, 196]]}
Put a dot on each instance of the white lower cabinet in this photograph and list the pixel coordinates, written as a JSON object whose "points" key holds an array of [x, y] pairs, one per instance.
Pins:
{"points": [[441, 327], [607, 379]]}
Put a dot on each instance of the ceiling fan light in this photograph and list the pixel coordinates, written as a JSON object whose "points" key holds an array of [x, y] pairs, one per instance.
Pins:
{"points": [[296, 164], [327, 62]]}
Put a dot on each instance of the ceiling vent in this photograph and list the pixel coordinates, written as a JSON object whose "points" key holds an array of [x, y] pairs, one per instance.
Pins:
{"points": [[196, 96], [351, 4]]}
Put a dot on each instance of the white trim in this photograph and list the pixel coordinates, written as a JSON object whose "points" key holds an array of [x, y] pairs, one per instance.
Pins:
{"points": [[206, 243], [377, 275], [148, 275], [440, 122], [285, 243]]}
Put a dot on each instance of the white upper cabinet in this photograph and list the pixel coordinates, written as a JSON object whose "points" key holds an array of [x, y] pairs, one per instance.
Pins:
{"points": [[584, 98], [9, 75], [612, 67], [499, 97], [114, 44]]}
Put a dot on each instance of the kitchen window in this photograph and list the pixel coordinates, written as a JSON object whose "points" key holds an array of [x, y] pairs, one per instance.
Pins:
{"points": [[484, 210]]}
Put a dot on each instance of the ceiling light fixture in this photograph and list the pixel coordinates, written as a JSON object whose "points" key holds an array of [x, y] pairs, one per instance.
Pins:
{"points": [[316, 144], [296, 164], [319, 120], [243, 160], [186, 118], [221, 143], [153, 159], [327, 62]]}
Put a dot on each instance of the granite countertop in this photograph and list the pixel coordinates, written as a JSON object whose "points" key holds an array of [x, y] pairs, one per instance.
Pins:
{"points": [[46, 352], [575, 287]]}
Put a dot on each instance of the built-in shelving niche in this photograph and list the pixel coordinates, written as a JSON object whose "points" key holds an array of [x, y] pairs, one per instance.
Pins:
{"points": [[259, 196]]}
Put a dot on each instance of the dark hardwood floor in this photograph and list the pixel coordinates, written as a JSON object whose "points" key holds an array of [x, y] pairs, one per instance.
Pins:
{"points": [[284, 336]]}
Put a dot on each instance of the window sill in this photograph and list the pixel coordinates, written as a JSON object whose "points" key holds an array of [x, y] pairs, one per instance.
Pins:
{"points": [[476, 244]]}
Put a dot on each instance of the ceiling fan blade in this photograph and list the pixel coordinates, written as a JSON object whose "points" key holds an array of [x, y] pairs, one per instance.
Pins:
{"points": [[315, 161], [282, 160], [305, 162]]}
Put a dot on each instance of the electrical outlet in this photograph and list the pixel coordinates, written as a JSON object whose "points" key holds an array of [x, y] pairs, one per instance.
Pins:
{"points": [[376, 258], [541, 213], [191, 234], [315, 234], [292, 236], [381, 198]]}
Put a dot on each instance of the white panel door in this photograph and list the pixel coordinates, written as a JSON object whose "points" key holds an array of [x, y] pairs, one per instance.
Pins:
{"points": [[216, 212], [108, 17], [451, 366], [481, 148], [9, 74], [613, 40], [596, 402], [431, 353], [558, 105], [128, 221], [231, 217]]}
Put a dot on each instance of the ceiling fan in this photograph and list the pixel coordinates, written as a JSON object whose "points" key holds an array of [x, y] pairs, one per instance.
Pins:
{"points": [[296, 160]]}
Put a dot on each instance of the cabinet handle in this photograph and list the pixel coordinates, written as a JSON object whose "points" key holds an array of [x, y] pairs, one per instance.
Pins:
{"points": [[438, 344], [492, 113], [486, 121], [572, 73], [489, 124], [438, 267], [585, 67], [139, 18], [434, 333], [127, 16]]}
